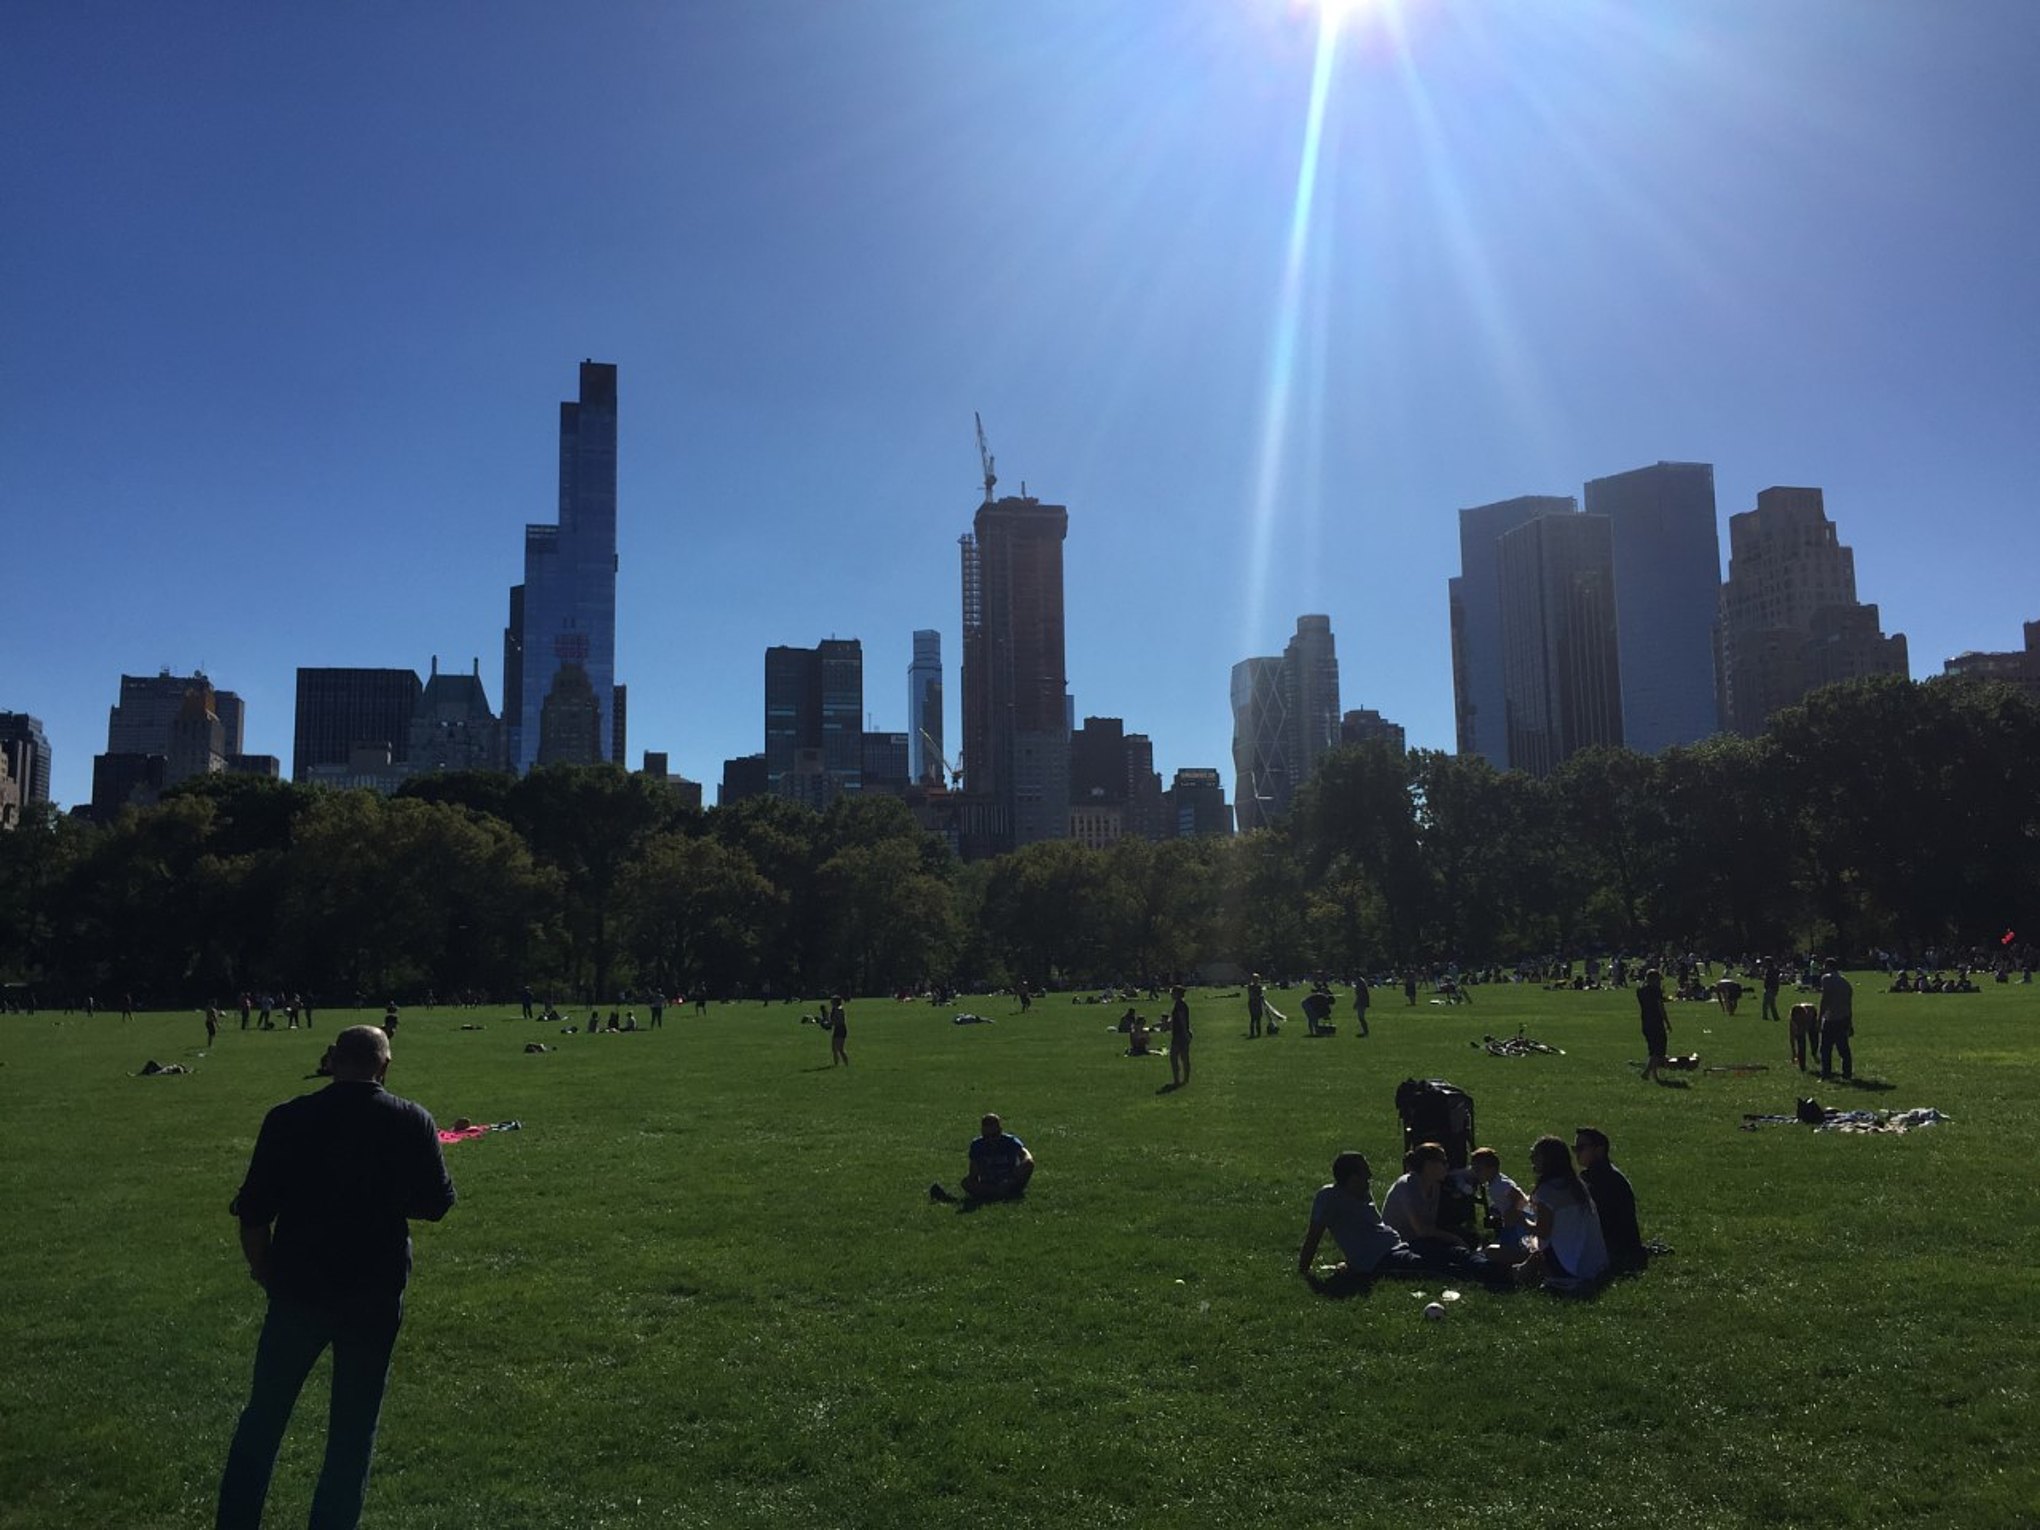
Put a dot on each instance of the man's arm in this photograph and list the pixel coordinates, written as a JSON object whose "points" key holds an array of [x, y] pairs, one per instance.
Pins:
{"points": [[255, 1248], [432, 1194], [1311, 1239]]}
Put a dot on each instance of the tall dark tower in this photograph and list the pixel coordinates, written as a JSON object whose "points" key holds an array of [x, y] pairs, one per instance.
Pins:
{"points": [[1016, 741]]}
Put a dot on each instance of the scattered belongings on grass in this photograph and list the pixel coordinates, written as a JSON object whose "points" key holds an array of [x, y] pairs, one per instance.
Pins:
{"points": [[464, 1130], [1888, 1122], [154, 1069], [967, 1018], [1737, 1070], [535, 1046], [1517, 1045]]}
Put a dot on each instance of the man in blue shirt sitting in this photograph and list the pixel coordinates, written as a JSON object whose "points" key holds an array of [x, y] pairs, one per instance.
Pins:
{"points": [[1000, 1166], [1345, 1209]]}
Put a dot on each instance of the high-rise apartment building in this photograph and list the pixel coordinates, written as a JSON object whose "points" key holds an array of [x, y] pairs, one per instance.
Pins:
{"points": [[1667, 599], [140, 721], [814, 719], [1790, 620], [1016, 733], [452, 727], [1285, 719], [883, 765], [27, 753], [1476, 604], [342, 710], [924, 709], [1561, 675], [560, 647]]}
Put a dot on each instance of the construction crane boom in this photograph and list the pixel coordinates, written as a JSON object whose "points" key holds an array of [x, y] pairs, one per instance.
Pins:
{"points": [[985, 456]]}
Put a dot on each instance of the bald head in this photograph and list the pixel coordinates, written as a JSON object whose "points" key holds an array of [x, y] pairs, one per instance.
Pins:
{"points": [[361, 1052]]}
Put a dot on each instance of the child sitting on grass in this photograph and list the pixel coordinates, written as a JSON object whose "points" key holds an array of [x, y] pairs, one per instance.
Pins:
{"points": [[1508, 1206]]}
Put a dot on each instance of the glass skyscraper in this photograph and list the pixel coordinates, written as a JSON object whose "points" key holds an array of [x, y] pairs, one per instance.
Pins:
{"points": [[564, 703], [924, 708]]}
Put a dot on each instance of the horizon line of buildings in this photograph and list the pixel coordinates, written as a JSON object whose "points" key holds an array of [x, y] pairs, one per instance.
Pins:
{"points": [[1569, 626]]}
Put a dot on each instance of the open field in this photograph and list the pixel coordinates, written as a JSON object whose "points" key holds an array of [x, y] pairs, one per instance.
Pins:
{"points": [[704, 1285]]}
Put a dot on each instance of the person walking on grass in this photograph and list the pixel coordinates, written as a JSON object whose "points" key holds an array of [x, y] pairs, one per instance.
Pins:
{"points": [[1179, 1039], [334, 1178], [1657, 1025], [1837, 1021], [1363, 995], [839, 1032]]}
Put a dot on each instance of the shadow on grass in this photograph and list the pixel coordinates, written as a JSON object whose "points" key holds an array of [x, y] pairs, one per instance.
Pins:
{"points": [[1865, 1085]]}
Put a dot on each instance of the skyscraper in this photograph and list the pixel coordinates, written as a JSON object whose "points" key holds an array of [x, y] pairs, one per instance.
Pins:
{"points": [[340, 710], [164, 729], [814, 719], [1790, 620], [2018, 667], [1667, 599], [1561, 675], [1367, 726], [28, 756], [562, 641], [1477, 620], [1285, 719], [1263, 778], [924, 708], [1016, 745]]}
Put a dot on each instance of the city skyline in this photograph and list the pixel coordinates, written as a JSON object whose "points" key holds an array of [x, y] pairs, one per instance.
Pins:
{"points": [[293, 360]]}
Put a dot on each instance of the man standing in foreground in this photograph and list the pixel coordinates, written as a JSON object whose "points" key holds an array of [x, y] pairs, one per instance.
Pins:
{"points": [[337, 1173], [1837, 1021]]}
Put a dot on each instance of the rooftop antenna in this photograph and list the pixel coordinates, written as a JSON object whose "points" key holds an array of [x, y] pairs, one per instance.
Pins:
{"points": [[985, 456]]}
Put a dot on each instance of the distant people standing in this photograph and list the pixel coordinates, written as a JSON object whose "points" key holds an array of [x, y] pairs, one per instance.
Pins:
{"points": [[389, 1020], [1362, 997], [1179, 1038], [1257, 1005], [290, 1012], [212, 1025], [305, 1004], [701, 1000], [1657, 1025], [1837, 1020], [658, 1008], [1772, 981], [839, 1033], [247, 1008], [1409, 986], [127, 1006], [333, 1180], [262, 1021], [524, 995]]}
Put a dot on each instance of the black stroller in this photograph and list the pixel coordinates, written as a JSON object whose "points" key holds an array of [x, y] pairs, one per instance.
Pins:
{"points": [[1433, 1110]]}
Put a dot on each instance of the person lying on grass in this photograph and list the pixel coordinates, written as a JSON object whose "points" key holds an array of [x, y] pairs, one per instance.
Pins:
{"points": [[1000, 1166]]}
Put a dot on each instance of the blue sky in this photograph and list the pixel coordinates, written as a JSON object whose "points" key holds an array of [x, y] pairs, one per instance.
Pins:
{"points": [[292, 292]]}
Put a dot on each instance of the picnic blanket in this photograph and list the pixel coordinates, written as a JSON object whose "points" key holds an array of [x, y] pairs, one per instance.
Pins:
{"points": [[1893, 1123], [1515, 1046], [469, 1133]]}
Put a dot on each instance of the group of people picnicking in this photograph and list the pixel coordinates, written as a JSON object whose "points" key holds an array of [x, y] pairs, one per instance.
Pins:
{"points": [[1572, 1228]]}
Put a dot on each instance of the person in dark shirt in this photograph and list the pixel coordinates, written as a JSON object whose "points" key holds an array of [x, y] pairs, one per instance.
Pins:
{"points": [[1613, 1199], [324, 1214], [1179, 1038]]}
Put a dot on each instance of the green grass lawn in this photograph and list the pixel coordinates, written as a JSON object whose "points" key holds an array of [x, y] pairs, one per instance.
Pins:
{"points": [[705, 1286]]}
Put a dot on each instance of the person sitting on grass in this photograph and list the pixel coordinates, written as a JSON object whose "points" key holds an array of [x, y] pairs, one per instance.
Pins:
{"points": [[1571, 1253], [1614, 1200], [1345, 1209], [1508, 1206], [1411, 1205], [1000, 1166]]}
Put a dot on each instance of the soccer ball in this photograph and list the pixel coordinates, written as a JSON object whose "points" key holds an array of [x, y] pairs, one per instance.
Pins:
{"points": [[1435, 1312]]}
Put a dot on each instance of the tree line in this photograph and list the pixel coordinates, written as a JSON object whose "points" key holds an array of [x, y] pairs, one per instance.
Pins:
{"points": [[1880, 814]]}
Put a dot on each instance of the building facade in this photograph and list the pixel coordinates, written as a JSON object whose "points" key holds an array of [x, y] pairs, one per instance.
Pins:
{"points": [[1790, 620], [560, 649], [924, 710], [2019, 668], [1367, 726], [1016, 739], [1196, 804], [342, 710], [1285, 719], [814, 719], [163, 730], [1561, 674], [1667, 599], [27, 752], [1476, 596]]}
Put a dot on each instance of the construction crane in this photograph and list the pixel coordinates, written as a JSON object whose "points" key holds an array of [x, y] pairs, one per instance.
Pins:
{"points": [[985, 456], [954, 775]]}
